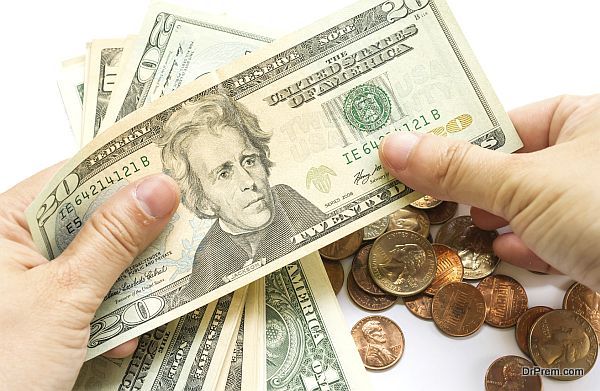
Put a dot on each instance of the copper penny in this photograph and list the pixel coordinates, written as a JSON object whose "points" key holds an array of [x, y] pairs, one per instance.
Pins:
{"points": [[563, 339], [335, 272], [449, 268], [402, 262], [506, 373], [458, 309], [343, 248], [376, 229], [427, 202], [360, 271], [419, 305], [586, 303], [474, 246], [379, 341], [410, 219], [524, 324], [367, 301], [442, 213], [505, 300]]}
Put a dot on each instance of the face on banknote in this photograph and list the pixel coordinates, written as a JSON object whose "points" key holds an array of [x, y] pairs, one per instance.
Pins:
{"points": [[275, 154]]}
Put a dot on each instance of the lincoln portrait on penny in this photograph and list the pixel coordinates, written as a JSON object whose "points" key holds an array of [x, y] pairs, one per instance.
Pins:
{"points": [[219, 154], [377, 352]]}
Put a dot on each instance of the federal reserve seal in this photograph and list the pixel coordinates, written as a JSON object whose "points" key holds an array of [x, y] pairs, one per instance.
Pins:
{"points": [[367, 108]]}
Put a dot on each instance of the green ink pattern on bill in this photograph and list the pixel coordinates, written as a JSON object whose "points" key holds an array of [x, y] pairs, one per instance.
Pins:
{"points": [[302, 352], [367, 108], [103, 69], [202, 367], [234, 375], [178, 348]]}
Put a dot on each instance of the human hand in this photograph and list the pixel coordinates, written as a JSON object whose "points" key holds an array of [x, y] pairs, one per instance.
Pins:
{"points": [[46, 307], [548, 192]]}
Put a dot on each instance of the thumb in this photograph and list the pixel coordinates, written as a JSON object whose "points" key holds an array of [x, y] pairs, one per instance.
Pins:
{"points": [[452, 170], [114, 235]]}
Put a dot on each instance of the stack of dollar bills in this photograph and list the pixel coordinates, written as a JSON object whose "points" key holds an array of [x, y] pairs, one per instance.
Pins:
{"points": [[274, 143]]}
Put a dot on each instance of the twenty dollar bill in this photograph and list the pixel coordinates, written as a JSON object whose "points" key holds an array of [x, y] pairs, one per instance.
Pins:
{"points": [[276, 155]]}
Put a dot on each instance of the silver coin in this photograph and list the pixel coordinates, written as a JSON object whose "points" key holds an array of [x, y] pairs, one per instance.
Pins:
{"points": [[376, 229]]}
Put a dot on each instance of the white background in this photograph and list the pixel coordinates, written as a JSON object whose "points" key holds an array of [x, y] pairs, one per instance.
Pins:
{"points": [[530, 50]]}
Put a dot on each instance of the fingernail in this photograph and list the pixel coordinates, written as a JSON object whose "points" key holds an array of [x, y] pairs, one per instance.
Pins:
{"points": [[396, 149], [156, 195]]}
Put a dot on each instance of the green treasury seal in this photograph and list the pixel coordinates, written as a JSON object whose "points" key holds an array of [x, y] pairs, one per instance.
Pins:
{"points": [[367, 108]]}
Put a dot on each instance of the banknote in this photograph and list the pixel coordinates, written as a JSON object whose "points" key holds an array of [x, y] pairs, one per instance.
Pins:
{"points": [[230, 377], [275, 155], [308, 346], [71, 84], [159, 361], [133, 373], [202, 366], [175, 47], [103, 71], [253, 354]]}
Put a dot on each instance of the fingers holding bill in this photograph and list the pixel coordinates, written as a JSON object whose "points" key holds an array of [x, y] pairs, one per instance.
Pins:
{"points": [[126, 349], [538, 124]]}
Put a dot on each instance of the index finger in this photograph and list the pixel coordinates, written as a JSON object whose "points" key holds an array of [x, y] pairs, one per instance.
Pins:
{"points": [[538, 124], [533, 123]]}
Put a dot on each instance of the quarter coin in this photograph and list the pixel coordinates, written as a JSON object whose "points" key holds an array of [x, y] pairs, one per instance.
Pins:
{"points": [[376, 229], [474, 246], [563, 339], [586, 303], [402, 262], [410, 219]]}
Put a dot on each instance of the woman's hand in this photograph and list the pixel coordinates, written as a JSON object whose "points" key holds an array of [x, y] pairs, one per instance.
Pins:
{"points": [[549, 192], [46, 307]]}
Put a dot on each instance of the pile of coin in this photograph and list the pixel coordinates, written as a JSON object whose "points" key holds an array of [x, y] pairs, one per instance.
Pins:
{"points": [[450, 280]]}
